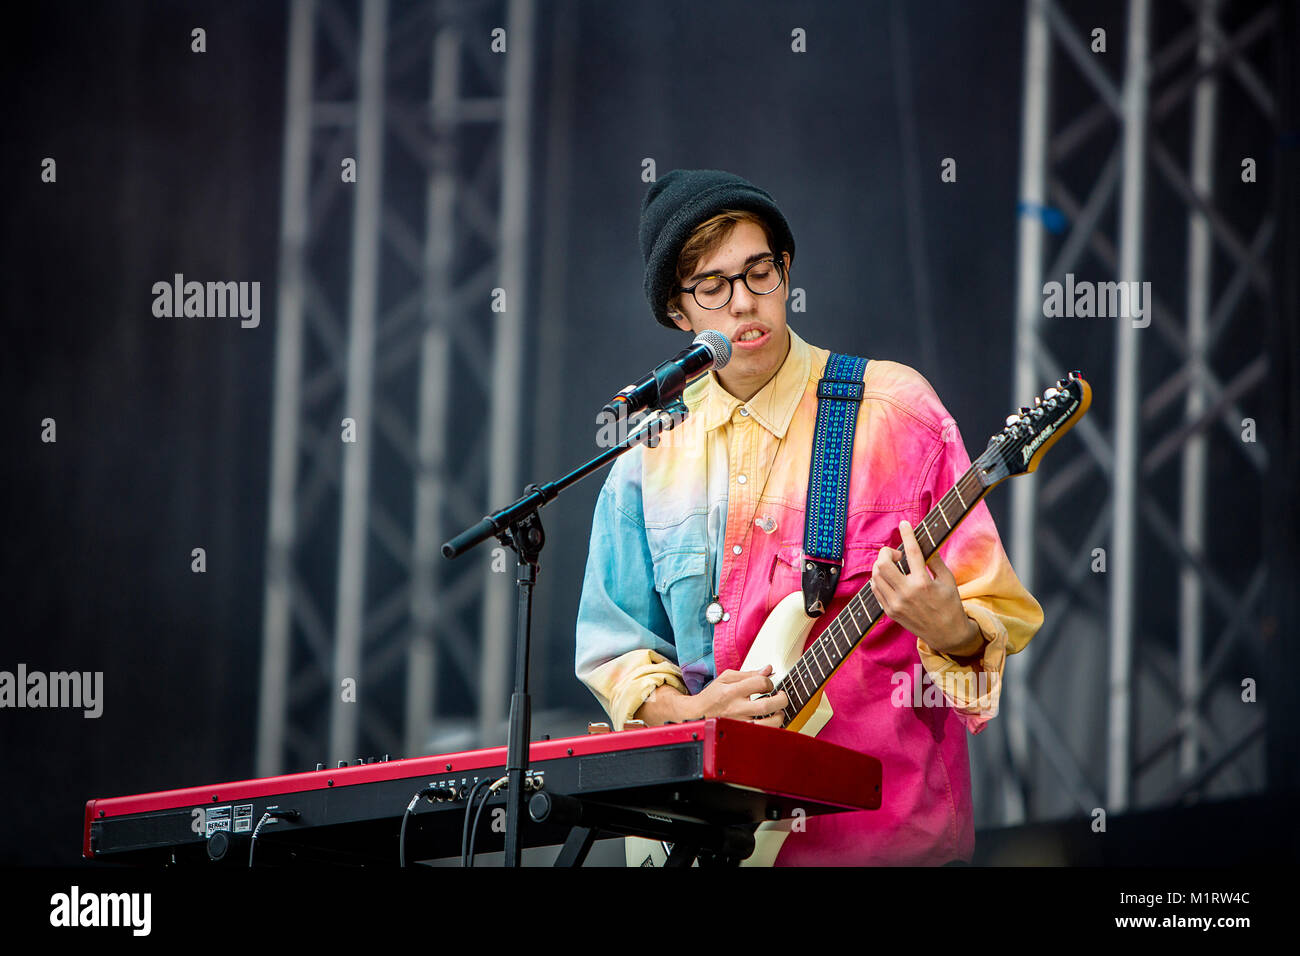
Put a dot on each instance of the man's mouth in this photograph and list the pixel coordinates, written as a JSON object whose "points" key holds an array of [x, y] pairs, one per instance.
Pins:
{"points": [[751, 338]]}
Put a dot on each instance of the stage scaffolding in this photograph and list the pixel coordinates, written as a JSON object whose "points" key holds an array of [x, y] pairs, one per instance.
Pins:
{"points": [[1135, 714], [386, 317]]}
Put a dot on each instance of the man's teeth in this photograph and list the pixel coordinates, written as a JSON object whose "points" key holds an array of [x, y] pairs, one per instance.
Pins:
{"points": [[751, 335]]}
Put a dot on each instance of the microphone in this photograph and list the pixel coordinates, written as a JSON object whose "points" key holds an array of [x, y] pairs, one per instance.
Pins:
{"points": [[710, 350]]}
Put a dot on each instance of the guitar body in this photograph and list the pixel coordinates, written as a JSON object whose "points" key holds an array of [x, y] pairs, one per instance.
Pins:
{"points": [[780, 643]]}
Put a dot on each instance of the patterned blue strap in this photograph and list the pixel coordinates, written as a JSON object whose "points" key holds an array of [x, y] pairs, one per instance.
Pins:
{"points": [[839, 394]]}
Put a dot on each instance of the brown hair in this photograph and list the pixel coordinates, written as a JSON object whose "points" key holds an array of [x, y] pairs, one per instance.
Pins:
{"points": [[706, 237]]}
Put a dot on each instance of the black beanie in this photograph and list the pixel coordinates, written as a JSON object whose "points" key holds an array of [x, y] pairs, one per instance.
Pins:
{"points": [[678, 202]]}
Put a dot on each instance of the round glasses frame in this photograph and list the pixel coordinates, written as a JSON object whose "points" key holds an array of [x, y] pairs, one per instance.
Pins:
{"points": [[731, 282]]}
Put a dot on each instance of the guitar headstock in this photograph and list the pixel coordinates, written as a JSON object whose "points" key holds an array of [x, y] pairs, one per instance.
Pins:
{"points": [[1020, 446]]}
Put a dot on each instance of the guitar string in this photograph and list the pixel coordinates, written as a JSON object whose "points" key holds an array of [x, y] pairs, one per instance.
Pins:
{"points": [[801, 672]]}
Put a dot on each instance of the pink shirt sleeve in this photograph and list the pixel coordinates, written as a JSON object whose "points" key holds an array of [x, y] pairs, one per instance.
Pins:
{"points": [[993, 597]]}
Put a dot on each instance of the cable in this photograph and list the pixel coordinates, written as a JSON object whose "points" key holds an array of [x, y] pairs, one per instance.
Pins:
{"points": [[469, 809], [272, 813], [468, 860], [410, 807], [469, 806], [473, 834]]}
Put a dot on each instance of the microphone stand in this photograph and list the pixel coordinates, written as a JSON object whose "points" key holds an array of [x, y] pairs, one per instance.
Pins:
{"points": [[519, 527]]}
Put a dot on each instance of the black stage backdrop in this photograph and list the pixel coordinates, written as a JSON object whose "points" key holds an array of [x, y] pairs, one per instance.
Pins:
{"points": [[168, 161]]}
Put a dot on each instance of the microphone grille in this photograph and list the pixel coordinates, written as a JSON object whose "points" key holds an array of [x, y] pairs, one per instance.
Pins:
{"points": [[717, 344]]}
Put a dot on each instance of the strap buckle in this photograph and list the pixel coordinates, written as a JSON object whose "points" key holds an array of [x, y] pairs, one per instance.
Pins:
{"points": [[845, 391], [819, 580]]}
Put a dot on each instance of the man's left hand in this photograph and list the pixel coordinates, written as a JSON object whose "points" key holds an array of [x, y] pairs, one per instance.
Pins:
{"points": [[927, 605]]}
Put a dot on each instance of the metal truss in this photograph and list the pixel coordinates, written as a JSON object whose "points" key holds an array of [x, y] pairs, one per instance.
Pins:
{"points": [[1137, 486], [385, 317]]}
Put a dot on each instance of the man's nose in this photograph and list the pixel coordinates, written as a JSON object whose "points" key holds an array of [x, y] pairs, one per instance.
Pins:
{"points": [[742, 300]]}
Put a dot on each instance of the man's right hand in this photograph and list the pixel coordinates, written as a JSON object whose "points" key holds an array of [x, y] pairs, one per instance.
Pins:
{"points": [[728, 696]]}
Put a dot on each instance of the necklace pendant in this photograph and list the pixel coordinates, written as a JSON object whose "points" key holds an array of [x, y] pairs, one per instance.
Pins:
{"points": [[713, 613]]}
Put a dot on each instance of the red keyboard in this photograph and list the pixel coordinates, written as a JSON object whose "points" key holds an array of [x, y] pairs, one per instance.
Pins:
{"points": [[711, 773]]}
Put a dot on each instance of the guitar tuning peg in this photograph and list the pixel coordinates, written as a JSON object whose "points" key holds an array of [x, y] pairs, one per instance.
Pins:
{"points": [[1051, 393], [1024, 410], [1012, 419], [1038, 400]]}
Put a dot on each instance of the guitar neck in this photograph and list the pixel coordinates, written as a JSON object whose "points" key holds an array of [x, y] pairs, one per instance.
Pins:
{"points": [[847, 629]]}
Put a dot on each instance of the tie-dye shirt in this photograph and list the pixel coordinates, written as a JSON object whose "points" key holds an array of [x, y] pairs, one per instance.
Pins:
{"points": [[717, 509]]}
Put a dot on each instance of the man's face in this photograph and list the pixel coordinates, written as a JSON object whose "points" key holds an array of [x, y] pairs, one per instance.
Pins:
{"points": [[753, 360]]}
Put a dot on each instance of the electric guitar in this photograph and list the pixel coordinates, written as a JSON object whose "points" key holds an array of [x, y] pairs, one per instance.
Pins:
{"points": [[802, 673]]}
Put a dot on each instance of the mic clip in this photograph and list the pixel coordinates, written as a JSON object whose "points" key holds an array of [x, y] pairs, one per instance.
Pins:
{"points": [[664, 419]]}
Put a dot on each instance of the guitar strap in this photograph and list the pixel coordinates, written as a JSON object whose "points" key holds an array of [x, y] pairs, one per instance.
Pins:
{"points": [[839, 395]]}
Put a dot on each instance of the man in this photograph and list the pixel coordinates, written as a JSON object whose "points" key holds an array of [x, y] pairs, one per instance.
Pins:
{"points": [[695, 541]]}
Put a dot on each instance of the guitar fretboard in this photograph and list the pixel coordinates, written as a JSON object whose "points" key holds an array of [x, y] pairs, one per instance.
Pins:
{"points": [[847, 629]]}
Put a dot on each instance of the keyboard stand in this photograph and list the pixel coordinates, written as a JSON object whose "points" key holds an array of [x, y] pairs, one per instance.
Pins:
{"points": [[711, 844]]}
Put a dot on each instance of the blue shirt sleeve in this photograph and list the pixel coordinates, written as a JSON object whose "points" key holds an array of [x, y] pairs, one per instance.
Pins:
{"points": [[620, 610]]}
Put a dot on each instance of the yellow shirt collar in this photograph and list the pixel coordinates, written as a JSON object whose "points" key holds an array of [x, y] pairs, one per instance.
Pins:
{"points": [[772, 407]]}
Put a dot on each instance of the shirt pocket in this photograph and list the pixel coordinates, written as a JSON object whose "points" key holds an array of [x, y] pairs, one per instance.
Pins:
{"points": [[681, 581], [785, 576]]}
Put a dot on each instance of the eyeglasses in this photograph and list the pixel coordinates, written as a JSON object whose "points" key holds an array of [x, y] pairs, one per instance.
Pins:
{"points": [[761, 278]]}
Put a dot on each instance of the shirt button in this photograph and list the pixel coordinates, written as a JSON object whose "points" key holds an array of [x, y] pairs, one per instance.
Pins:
{"points": [[735, 549], [741, 479], [726, 615], [745, 412]]}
